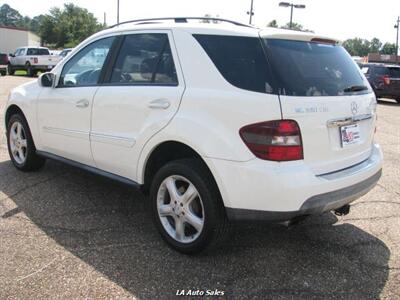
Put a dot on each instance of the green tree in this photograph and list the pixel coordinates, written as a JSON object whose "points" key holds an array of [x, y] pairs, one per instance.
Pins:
{"points": [[375, 45], [273, 23], [388, 48], [357, 46], [68, 26], [9, 16]]}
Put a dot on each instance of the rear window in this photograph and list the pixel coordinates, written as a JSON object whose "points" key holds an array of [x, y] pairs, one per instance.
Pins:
{"points": [[381, 71], [394, 72], [312, 69], [240, 60], [38, 51]]}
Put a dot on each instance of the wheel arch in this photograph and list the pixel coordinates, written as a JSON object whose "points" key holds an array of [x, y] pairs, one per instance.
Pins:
{"points": [[11, 110], [165, 152]]}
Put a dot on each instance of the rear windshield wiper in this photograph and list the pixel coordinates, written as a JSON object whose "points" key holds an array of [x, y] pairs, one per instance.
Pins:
{"points": [[355, 88]]}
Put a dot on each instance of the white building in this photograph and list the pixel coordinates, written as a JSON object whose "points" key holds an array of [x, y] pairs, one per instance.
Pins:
{"points": [[11, 38]]}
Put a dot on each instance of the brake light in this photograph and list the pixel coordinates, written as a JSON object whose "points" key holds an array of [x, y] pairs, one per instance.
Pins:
{"points": [[278, 140], [35, 60], [386, 79]]}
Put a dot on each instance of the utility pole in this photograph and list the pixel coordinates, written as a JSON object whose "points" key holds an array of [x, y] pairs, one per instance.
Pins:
{"points": [[105, 19], [397, 39], [251, 12], [117, 11], [291, 5]]}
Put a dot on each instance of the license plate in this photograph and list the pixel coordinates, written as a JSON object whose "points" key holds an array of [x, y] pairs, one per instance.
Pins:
{"points": [[350, 135]]}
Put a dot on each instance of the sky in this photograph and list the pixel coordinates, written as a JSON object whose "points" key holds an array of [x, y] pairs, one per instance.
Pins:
{"points": [[340, 19]]}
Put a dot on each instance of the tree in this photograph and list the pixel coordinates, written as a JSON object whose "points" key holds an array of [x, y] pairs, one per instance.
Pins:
{"points": [[273, 24], [388, 48], [375, 45], [68, 26], [357, 46], [9, 16]]}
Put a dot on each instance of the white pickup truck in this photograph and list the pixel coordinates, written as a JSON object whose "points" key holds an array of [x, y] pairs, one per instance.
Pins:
{"points": [[32, 60]]}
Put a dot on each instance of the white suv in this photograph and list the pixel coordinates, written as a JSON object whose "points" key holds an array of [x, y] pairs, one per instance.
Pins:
{"points": [[216, 121]]}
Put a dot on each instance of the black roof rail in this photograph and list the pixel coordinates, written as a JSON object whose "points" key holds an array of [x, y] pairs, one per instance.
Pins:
{"points": [[180, 20]]}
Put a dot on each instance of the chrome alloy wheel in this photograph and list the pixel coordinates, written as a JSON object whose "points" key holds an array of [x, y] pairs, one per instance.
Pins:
{"points": [[180, 209], [18, 143]]}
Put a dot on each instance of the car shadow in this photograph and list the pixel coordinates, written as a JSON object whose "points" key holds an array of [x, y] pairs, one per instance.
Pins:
{"points": [[105, 224]]}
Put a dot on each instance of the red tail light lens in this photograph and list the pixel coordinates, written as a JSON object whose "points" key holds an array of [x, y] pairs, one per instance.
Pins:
{"points": [[274, 140], [386, 79]]}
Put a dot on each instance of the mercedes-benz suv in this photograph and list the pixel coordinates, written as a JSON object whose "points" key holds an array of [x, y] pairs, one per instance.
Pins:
{"points": [[216, 122]]}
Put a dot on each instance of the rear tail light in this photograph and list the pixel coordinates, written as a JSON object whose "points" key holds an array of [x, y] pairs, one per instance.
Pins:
{"points": [[35, 60], [386, 79], [278, 140]]}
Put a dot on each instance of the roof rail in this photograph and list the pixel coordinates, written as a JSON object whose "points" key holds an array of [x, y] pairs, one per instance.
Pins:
{"points": [[180, 20]]}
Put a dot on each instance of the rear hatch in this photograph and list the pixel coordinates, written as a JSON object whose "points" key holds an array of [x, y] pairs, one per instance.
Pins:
{"points": [[322, 88]]}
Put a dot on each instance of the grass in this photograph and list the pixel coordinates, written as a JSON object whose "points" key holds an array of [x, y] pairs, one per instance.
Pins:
{"points": [[20, 72]]}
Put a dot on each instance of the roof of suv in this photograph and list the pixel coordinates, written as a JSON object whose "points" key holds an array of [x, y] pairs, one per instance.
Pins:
{"points": [[216, 27]]}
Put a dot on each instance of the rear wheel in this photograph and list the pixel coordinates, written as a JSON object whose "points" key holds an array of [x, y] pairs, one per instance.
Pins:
{"points": [[20, 145], [3, 72], [10, 69], [187, 208]]}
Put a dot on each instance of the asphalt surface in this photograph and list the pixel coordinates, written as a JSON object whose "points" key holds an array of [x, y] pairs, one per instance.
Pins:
{"points": [[67, 234]]}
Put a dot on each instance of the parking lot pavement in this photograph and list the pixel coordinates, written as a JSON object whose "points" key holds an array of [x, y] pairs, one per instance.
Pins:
{"points": [[67, 234]]}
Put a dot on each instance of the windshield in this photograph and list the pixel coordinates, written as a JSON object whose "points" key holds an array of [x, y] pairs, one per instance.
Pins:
{"points": [[313, 69]]}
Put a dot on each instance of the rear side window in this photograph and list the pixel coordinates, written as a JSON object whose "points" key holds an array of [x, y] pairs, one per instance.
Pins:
{"points": [[240, 60], [312, 69], [145, 59], [394, 72], [38, 51], [381, 71]]}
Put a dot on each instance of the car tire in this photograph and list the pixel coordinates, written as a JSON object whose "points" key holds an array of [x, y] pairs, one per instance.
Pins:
{"points": [[21, 147], [29, 69], [201, 220], [3, 73], [10, 70]]}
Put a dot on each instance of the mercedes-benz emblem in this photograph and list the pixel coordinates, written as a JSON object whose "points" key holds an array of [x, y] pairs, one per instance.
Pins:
{"points": [[354, 108]]}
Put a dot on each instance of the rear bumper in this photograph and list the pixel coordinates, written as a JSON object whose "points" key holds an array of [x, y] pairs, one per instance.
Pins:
{"points": [[315, 205], [271, 191]]}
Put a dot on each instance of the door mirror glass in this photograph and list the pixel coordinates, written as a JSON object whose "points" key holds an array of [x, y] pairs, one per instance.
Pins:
{"points": [[46, 79]]}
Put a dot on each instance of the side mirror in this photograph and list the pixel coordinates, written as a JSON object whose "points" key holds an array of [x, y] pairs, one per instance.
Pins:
{"points": [[47, 79], [12, 55]]}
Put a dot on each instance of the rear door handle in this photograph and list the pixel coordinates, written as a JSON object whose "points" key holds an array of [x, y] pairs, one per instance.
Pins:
{"points": [[159, 103], [83, 103]]}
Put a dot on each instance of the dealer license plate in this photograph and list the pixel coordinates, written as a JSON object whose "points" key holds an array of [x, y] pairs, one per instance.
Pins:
{"points": [[350, 135]]}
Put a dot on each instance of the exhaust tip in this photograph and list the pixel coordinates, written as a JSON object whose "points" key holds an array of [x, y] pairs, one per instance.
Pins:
{"points": [[342, 211]]}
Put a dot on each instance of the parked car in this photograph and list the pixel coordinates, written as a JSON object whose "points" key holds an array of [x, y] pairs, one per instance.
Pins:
{"points": [[384, 79], [3, 64], [32, 60], [215, 122], [65, 52]]}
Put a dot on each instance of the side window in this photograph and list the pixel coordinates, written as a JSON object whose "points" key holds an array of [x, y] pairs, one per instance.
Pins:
{"points": [[144, 58], [84, 68], [31, 51], [240, 60]]}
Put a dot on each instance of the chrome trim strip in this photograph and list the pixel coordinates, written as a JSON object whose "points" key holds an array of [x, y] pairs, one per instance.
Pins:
{"points": [[348, 120], [67, 132], [112, 139]]}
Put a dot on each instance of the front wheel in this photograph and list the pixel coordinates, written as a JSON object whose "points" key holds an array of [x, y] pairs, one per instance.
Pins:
{"points": [[187, 208], [20, 145]]}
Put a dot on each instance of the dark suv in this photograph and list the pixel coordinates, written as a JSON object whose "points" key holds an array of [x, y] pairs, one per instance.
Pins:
{"points": [[3, 64], [384, 79]]}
